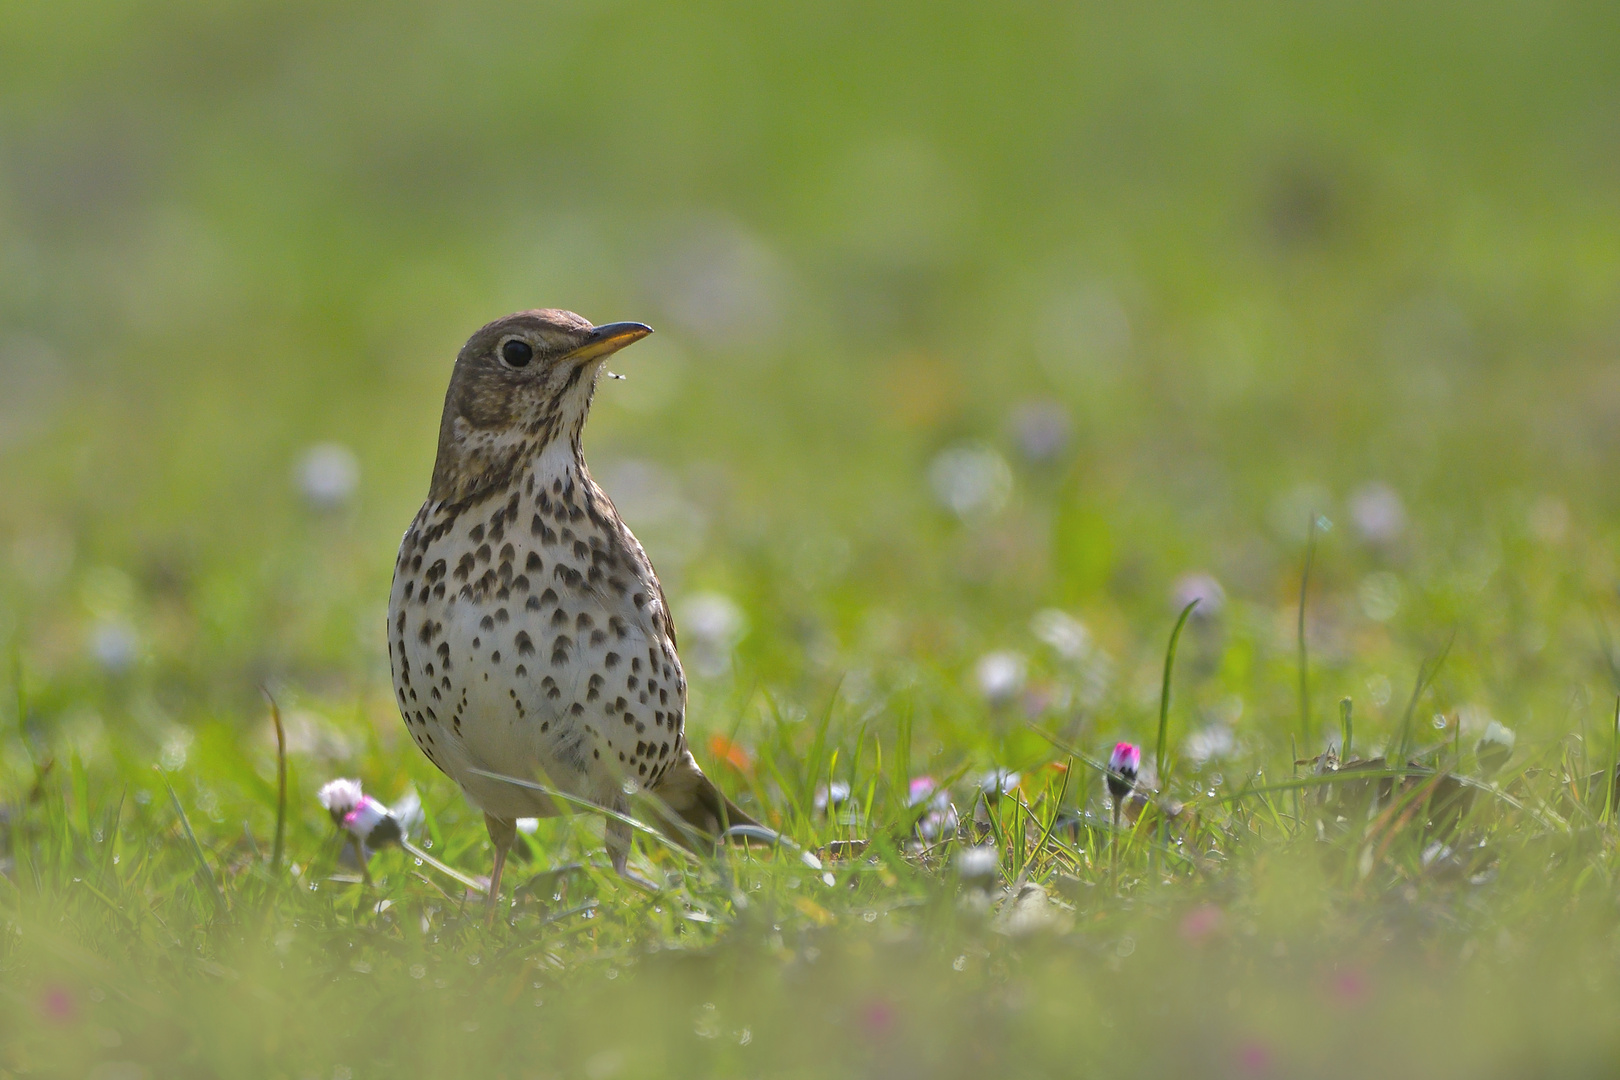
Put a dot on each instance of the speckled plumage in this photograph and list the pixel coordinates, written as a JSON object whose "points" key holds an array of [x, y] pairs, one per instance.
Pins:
{"points": [[528, 633]]}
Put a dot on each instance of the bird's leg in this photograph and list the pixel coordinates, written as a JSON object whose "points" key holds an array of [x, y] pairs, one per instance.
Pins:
{"points": [[501, 834], [618, 837]]}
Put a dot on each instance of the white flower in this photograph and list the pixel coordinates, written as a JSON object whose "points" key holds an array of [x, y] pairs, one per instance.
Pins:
{"points": [[1380, 595], [327, 476], [1495, 747], [713, 619], [340, 796], [1214, 741], [1067, 635], [1002, 781], [970, 479], [835, 795], [1042, 430], [1497, 732], [176, 745], [980, 865], [407, 810], [115, 647], [940, 818], [1378, 512], [712, 624], [1000, 676], [937, 824], [1071, 639], [1202, 588]]}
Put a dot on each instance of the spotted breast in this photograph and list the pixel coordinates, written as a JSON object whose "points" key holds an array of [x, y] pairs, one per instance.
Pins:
{"points": [[531, 636]]}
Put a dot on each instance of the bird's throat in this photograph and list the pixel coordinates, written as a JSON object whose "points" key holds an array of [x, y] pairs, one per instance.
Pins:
{"points": [[478, 463]]}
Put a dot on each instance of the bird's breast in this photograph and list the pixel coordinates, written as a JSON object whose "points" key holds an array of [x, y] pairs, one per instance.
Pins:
{"points": [[527, 637]]}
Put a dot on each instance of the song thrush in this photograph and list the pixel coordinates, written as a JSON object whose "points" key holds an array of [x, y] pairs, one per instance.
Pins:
{"points": [[528, 634]]}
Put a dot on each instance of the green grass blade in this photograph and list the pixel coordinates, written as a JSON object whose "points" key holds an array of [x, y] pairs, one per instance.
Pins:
{"points": [[109, 832], [1304, 659], [1427, 671], [1057, 810], [279, 846], [1164, 697], [79, 781], [20, 688], [1614, 764], [204, 871]]}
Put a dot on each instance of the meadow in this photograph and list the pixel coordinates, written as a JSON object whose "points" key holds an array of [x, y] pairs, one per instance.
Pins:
{"points": [[988, 339]]}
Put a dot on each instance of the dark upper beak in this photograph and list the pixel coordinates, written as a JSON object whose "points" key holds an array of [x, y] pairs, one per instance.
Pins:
{"points": [[609, 338]]}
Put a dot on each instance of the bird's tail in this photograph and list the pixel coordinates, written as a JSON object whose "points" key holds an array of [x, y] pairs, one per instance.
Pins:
{"points": [[700, 812]]}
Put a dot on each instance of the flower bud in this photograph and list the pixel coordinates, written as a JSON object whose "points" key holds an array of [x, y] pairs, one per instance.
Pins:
{"points": [[1123, 765]]}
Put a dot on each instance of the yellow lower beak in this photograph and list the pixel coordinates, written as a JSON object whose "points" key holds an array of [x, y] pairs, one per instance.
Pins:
{"points": [[609, 338]]}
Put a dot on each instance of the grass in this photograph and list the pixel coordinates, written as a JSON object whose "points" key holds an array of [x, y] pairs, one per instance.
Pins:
{"points": [[1268, 940], [987, 343]]}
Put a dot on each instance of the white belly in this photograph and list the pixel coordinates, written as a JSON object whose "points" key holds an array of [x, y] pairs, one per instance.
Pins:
{"points": [[532, 646]]}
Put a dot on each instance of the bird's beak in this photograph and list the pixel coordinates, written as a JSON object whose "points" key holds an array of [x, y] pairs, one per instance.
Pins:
{"points": [[607, 339]]}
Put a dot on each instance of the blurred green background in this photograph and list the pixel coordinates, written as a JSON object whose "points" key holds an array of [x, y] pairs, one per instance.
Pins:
{"points": [[963, 312], [987, 337]]}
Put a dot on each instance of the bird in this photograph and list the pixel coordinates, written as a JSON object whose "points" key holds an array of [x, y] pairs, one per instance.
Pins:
{"points": [[533, 653]]}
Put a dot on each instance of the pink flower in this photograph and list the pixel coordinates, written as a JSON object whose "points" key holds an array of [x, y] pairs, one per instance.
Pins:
{"points": [[360, 815], [939, 818], [878, 1018], [1201, 923], [58, 1005], [1348, 987], [1123, 765], [1254, 1058]]}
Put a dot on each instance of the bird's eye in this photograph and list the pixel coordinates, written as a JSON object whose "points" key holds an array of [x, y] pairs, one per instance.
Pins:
{"points": [[517, 353]]}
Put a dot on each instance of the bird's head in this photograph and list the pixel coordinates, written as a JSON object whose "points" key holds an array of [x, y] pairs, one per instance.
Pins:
{"points": [[520, 384]]}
